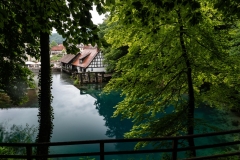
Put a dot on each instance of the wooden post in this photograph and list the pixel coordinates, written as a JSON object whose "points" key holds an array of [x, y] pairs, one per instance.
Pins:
{"points": [[174, 152], [81, 79], [96, 75], [102, 76], [29, 152], [89, 77], [101, 150]]}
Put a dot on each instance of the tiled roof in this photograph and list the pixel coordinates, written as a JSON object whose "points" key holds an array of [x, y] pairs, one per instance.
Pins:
{"points": [[76, 60], [84, 54], [60, 47], [67, 58], [89, 46], [87, 56]]}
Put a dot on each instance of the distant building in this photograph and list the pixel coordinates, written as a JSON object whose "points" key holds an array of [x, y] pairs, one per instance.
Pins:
{"points": [[32, 59], [90, 59], [59, 49], [66, 62]]}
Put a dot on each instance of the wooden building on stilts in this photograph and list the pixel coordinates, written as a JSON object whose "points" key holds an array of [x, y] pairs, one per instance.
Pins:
{"points": [[88, 65]]}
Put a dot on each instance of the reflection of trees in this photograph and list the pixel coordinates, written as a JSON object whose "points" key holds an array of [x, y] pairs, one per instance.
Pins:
{"points": [[45, 115], [92, 89], [105, 105], [116, 126], [16, 134], [45, 130]]}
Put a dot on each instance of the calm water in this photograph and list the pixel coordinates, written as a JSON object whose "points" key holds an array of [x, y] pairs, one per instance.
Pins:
{"points": [[85, 115]]}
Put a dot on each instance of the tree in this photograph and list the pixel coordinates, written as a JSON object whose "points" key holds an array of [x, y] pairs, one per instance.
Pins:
{"points": [[53, 43], [178, 57], [36, 19], [111, 55], [230, 8], [14, 77], [73, 22], [235, 41]]}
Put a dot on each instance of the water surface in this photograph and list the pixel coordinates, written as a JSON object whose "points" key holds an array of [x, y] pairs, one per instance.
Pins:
{"points": [[85, 115]]}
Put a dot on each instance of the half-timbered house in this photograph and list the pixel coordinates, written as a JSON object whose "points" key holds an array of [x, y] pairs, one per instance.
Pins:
{"points": [[89, 60], [87, 65]]}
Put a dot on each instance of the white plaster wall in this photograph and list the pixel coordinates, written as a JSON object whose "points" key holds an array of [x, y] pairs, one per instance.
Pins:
{"points": [[96, 70], [78, 68]]}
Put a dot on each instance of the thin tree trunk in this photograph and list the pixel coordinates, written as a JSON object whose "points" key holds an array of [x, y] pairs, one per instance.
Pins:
{"points": [[45, 109], [191, 101]]}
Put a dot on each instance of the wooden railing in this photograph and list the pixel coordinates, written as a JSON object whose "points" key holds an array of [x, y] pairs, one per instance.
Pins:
{"points": [[174, 150]]}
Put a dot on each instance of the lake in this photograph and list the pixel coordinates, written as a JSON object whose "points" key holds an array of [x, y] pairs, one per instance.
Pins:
{"points": [[86, 115]]}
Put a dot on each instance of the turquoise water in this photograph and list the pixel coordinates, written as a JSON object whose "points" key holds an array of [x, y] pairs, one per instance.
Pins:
{"points": [[82, 114]]}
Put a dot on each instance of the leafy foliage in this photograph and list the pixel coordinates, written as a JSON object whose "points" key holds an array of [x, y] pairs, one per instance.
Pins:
{"points": [[230, 8], [4, 100], [111, 55], [56, 57], [177, 58], [14, 77], [53, 43], [235, 41], [16, 134]]}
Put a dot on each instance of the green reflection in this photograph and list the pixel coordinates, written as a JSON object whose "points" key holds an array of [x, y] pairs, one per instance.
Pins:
{"points": [[16, 134]]}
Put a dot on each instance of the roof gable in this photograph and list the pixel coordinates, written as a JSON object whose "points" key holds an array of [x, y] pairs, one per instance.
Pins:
{"points": [[67, 58], [87, 56]]}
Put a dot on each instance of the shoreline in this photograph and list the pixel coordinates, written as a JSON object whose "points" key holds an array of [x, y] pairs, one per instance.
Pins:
{"points": [[37, 69]]}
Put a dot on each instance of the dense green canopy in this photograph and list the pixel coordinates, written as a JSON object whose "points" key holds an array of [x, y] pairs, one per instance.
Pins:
{"points": [[15, 42], [178, 56]]}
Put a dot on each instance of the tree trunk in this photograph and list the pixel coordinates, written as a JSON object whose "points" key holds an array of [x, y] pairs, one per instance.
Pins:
{"points": [[45, 109], [191, 101]]}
